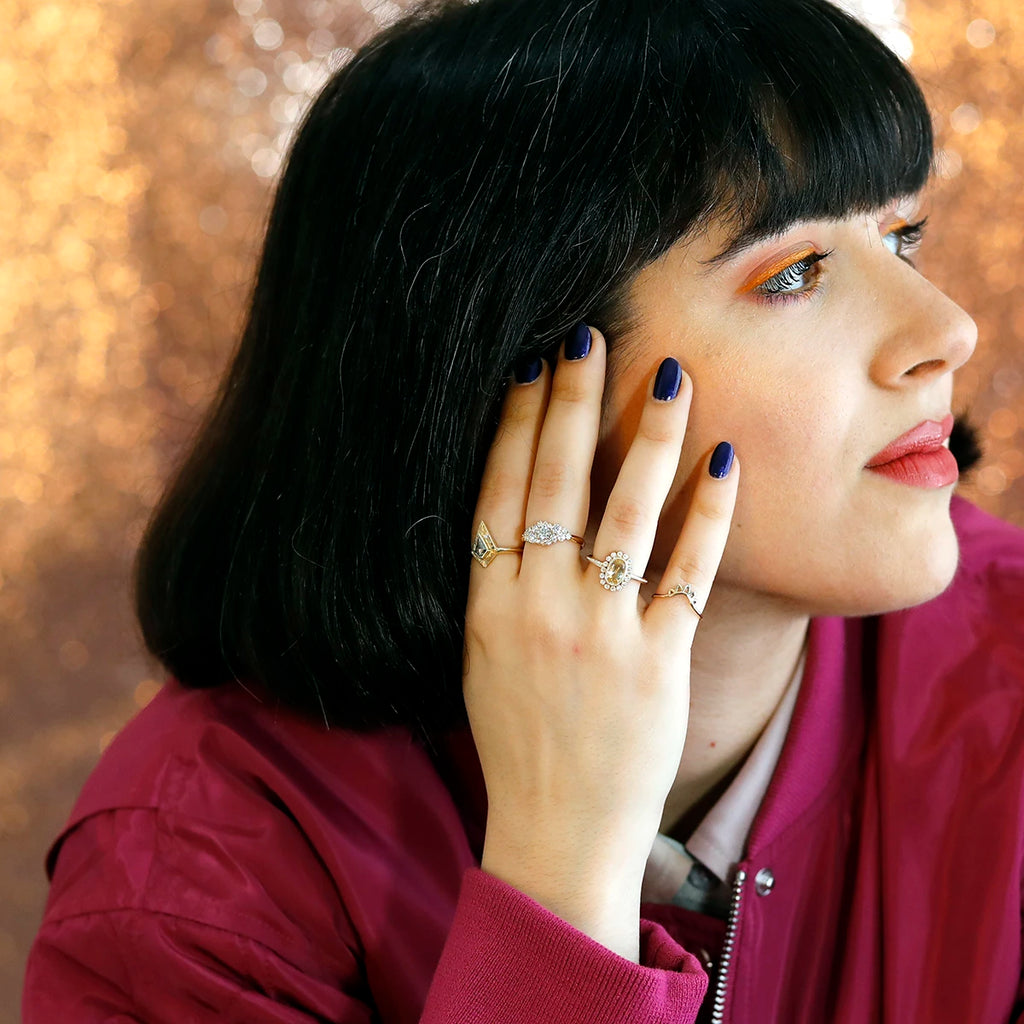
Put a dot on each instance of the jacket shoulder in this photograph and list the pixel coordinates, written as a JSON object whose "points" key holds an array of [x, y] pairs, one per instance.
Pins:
{"points": [[214, 753], [208, 784]]}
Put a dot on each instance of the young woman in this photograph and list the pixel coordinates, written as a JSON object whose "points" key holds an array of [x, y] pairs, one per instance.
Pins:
{"points": [[666, 682]]}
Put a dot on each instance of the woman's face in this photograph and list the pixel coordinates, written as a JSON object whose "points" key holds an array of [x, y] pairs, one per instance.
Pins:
{"points": [[809, 369]]}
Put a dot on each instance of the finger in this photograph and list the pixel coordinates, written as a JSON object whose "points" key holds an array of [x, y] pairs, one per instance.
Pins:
{"points": [[631, 515], [698, 552], [505, 483], [560, 487]]}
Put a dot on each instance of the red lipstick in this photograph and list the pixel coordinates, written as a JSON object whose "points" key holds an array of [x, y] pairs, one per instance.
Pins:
{"points": [[918, 457]]}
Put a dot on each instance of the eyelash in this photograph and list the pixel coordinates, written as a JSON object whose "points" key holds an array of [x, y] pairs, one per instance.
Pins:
{"points": [[910, 236], [773, 290]]}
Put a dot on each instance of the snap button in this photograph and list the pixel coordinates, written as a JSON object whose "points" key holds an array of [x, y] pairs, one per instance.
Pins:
{"points": [[764, 882]]}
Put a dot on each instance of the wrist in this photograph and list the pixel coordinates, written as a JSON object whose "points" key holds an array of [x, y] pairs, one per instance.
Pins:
{"points": [[596, 899]]}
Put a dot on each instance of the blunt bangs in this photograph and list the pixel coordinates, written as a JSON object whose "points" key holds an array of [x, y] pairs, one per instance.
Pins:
{"points": [[814, 124]]}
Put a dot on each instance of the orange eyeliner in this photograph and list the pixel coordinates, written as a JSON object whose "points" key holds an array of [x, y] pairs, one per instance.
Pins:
{"points": [[776, 266]]}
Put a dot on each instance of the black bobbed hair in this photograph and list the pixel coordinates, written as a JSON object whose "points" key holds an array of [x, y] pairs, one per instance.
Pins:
{"points": [[479, 178]]}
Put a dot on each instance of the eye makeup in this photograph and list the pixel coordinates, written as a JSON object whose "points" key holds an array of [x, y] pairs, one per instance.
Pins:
{"points": [[907, 237], [782, 276]]}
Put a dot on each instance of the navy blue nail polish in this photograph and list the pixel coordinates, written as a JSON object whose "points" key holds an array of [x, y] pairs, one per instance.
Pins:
{"points": [[577, 345], [527, 370], [667, 380], [721, 460]]}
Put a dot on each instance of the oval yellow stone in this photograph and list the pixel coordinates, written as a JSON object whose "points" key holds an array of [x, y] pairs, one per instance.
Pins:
{"points": [[617, 573]]}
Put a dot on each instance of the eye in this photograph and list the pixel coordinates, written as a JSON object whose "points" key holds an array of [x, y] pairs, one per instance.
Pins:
{"points": [[796, 280], [904, 239]]}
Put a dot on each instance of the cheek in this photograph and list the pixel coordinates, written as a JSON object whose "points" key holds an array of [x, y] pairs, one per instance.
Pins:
{"points": [[777, 421]]}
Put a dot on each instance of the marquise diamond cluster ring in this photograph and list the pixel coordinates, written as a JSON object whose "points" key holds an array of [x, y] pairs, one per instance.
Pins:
{"points": [[543, 532]]}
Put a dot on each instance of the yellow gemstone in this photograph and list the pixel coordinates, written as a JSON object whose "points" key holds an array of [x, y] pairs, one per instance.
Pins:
{"points": [[617, 572]]}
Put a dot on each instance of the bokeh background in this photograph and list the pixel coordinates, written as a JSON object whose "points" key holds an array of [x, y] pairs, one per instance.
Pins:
{"points": [[140, 146]]}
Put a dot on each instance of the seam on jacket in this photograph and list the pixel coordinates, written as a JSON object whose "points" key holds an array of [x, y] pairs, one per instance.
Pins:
{"points": [[146, 912], [139, 904]]}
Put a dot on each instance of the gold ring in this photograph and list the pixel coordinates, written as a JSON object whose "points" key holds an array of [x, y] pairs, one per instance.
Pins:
{"points": [[687, 591], [543, 532], [484, 550]]}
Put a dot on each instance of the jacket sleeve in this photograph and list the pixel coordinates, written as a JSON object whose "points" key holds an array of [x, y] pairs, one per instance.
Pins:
{"points": [[510, 960], [220, 940], [507, 959]]}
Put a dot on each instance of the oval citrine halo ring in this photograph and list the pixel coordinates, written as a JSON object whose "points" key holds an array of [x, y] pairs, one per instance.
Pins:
{"points": [[616, 570]]}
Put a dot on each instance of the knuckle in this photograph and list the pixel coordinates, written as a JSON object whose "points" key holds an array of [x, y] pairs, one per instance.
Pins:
{"points": [[693, 568], [627, 514], [524, 412], [544, 633], [497, 486], [708, 508], [569, 388], [552, 477], [518, 423], [658, 430]]}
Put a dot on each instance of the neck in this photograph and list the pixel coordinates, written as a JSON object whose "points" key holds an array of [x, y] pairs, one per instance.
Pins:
{"points": [[745, 654]]}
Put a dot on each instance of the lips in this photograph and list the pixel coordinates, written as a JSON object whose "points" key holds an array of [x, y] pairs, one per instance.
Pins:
{"points": [[925, 437]]}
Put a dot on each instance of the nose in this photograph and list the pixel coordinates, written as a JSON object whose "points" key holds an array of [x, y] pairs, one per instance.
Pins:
{"points": [[927, 333]]}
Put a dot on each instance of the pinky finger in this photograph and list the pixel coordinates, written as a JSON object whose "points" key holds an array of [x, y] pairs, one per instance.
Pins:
{"points": [[687, 580]]}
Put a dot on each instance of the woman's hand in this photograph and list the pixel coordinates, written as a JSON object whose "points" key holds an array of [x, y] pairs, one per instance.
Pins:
{"points": [[578, 696]]}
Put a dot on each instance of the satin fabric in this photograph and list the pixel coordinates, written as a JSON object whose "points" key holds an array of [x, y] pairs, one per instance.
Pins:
{"points": [[228, 860]]}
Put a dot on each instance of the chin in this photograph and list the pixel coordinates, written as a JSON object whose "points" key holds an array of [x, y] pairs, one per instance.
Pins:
{"points": [[919, 576], [875, 579]]}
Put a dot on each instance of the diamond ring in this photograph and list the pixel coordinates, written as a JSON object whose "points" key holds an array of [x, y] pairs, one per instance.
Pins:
{"points": [[484, 550], [543, 532], [687, 591], [616, 570]]}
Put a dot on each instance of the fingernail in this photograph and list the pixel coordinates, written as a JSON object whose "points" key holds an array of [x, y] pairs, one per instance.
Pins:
{"points": [[527, 369], [721, 460], [577, 345], [668, 379]]}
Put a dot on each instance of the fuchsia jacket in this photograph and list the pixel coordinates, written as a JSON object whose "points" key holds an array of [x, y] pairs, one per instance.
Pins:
{"points": [[228, 861]]}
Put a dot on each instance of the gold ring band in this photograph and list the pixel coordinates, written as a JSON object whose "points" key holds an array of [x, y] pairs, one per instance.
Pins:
{"points": [[547, 533], [484, 550], [686, 591]]}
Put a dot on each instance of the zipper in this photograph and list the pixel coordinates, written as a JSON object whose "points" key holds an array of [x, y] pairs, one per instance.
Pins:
{"points": [[718, 1015]]}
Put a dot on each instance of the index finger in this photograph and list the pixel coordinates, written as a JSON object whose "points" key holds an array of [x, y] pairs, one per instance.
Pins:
{"points": [[505, 485]]}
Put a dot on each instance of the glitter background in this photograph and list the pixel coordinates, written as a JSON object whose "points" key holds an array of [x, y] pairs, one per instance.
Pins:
{"points": [[142, 141]]}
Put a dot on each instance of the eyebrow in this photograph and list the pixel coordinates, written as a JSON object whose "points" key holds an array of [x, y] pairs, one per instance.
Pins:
{"points": [[744, 241]]}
